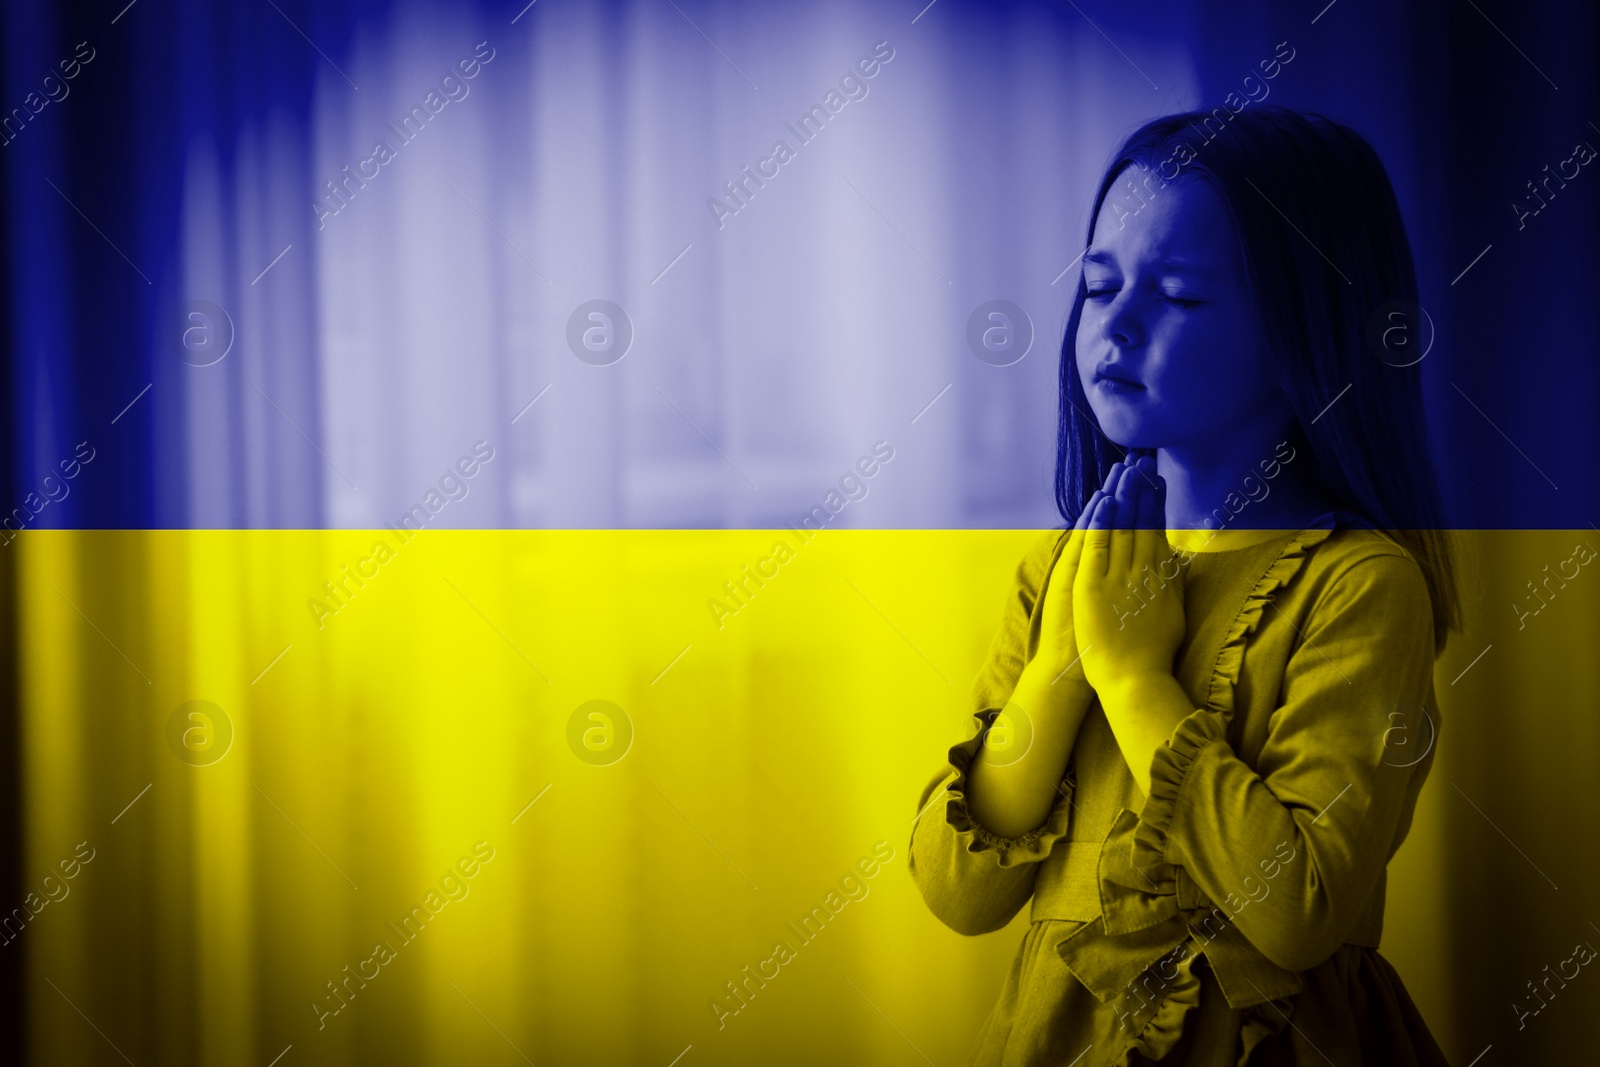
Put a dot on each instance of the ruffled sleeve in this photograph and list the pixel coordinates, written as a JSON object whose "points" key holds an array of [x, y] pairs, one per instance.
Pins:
{"points": [[1030, 847], [1192, 736], [974, 880]]}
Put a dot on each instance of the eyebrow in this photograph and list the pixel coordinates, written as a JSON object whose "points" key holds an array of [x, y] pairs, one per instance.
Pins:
{"points": [[1104, 258]]}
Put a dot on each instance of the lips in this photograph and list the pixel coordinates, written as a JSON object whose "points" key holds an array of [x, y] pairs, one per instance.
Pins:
{"points": [[1112, 373]]}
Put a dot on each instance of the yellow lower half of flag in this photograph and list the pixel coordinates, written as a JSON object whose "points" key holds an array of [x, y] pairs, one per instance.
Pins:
{"points": [[487, 796]]}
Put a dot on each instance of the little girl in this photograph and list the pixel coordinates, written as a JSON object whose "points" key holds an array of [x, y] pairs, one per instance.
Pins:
{"points": [[1205, 719]]}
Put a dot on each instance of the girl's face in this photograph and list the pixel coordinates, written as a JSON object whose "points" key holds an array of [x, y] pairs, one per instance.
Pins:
{"points": [[1169, 348]]}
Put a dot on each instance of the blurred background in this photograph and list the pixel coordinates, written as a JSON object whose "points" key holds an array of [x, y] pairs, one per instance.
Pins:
{"points": [[280, 276]]}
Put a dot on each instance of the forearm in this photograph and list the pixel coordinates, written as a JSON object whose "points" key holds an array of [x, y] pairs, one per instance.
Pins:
{"points": [[1143, 710], [1010, 797]]}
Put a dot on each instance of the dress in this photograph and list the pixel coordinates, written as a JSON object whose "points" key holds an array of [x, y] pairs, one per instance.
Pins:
{"points": [[1235, 914]]}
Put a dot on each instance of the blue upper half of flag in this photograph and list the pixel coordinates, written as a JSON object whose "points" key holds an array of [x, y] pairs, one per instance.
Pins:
{"points": [[338, 265]]}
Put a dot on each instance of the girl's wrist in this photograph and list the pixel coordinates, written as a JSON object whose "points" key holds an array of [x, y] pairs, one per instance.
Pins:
{"points": [[1055, 679], [1139, 687]]}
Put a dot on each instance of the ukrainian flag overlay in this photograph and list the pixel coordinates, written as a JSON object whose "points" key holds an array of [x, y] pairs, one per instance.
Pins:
{"points": [[506, 506]]}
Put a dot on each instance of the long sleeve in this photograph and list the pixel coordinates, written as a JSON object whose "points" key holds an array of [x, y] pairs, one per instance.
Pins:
{"points": [[1294, 848], [973, 880]]}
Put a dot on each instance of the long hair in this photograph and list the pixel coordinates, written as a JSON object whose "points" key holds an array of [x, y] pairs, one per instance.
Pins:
{"points": [[1326, 258]]}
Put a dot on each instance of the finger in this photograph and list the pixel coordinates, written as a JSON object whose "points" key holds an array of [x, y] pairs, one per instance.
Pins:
{"points": [[1127, 493], [1113, 476], [1073, 552], [1097, 538], [1144, 469], [1106, 493], [1062, 579], [1127, 514], [1104, 513], [1088, 510], [1068, 563]]}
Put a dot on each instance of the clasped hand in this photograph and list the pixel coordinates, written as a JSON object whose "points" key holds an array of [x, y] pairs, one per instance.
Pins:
{"points": [[1124, 621]]}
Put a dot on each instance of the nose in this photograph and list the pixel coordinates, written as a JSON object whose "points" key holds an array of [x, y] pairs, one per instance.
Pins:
{"points": [[1120, 323]]}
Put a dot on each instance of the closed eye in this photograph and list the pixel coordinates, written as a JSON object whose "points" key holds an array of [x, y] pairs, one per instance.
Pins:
{"points": [[1175, 301]]}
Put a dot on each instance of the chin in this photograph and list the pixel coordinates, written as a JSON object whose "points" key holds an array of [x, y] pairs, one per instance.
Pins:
{"points": [[1126, 432]]}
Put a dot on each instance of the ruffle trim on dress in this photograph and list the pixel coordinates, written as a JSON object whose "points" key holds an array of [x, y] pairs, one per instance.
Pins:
{"points": [[1151, 1008], [1198, 730], [1230, 657], [1154, 1033], [1262, 1021], [1030, 847]]}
